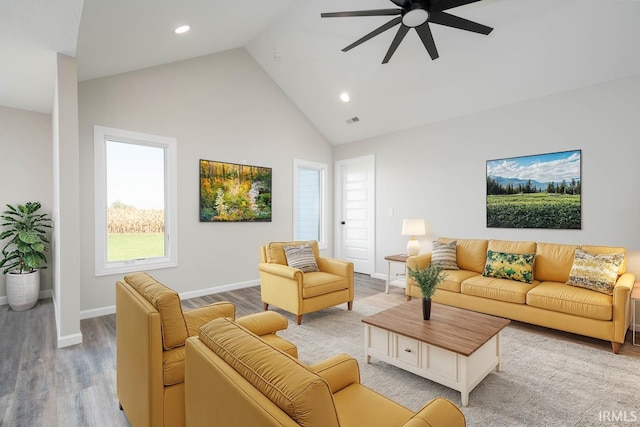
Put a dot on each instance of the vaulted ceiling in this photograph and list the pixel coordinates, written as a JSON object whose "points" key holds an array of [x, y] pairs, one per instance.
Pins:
{"points": [[537, 48]]}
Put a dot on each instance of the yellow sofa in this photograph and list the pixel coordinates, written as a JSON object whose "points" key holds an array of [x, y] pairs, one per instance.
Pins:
{"points": [[298, 292], [151, 329], [547, 301], [233, 378]]}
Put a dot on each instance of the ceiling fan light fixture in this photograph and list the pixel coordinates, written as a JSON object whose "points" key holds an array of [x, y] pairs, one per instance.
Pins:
{"points": [[182, 29], [415, 18]]}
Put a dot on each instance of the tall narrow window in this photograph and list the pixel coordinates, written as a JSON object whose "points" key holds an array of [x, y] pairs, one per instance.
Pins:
{"points": [[309, 201], [134, 201]]}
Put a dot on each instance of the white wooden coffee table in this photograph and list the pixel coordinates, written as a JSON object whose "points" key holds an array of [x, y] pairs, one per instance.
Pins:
{"points": [[456, 348]]}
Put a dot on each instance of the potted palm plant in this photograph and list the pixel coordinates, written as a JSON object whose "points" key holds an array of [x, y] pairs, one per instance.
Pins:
{"points": [[427, 278], [23, 255]]}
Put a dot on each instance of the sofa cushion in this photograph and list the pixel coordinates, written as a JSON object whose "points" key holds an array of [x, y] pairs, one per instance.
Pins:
{"points": [[321, 283], [571, 300], [512, 246], [454, 279], [173, 366], [380, 411], [275, 250], [167, 302], [444, 255], [299, 392], [553, 262], [509, 266], [596, 272], [301, 257], [471, 254], [498, 289]]}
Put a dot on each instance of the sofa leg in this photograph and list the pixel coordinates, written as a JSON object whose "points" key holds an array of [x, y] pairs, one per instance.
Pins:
{"points": [[408, 297], [120, 406], [349, 305], [299, 319], [616, 347], [265, 306]]}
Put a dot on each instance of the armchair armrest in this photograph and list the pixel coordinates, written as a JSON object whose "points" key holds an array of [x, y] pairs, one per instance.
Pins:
{"points": [[339, 371], [335, 266], [266, 322], [197, 317], [280, 270], [439, 412]]}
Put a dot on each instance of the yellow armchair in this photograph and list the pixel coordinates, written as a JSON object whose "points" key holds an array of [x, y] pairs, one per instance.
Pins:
{"points": [[300, 292], [151, 330]]}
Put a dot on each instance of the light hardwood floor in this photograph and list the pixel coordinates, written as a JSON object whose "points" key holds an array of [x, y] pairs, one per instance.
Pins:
{"points": [[75, 386]]}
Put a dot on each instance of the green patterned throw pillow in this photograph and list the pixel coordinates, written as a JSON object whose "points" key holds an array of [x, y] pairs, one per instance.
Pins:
{"points": [[509, 266], [444, 255], [596, 272]]}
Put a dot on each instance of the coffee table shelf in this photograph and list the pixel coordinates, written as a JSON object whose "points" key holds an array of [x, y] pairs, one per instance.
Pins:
{"points": [[457, 348]]}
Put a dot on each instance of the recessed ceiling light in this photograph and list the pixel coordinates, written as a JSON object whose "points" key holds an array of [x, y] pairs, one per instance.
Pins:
{"points": [[344, 97], [182, 29]]}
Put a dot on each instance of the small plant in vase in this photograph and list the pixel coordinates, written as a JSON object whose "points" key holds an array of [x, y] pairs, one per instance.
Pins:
{"points": [[427, 279], [23, 254]]}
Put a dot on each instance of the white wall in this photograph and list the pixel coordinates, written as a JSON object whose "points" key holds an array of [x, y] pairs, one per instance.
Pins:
{"points": [[437, 172], [221, 107], [26, 170], [66, 198]]}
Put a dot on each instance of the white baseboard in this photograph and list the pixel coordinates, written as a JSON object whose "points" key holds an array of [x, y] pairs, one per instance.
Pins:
{"points": [[97, 312], [103, 311], [379, 276], [219, 289], [64, 340], [42, 295], [69, 340]]}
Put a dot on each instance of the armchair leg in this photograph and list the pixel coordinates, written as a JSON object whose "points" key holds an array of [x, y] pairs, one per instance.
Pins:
{"points": [[265, 306], [615, 346], [349, 305], [299, 319]]}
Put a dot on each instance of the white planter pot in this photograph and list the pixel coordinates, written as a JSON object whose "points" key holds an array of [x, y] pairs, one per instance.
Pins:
{"points": [[23, 290]]}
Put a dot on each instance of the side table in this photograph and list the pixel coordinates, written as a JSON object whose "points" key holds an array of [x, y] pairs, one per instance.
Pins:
{"points": [[400, 282], [635, 297]]}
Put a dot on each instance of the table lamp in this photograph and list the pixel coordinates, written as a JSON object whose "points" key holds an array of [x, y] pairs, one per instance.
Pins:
{"points": [[413, 228]]}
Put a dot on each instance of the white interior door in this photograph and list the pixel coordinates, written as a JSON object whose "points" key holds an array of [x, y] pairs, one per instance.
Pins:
{"points": [[355, 209]]}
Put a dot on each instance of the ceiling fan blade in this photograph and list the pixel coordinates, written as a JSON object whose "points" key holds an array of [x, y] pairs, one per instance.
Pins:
{"points": [[440, 5], [427, 39], [449, 20], [402, 31], [377, 12], [374, 33], [402, 3]]}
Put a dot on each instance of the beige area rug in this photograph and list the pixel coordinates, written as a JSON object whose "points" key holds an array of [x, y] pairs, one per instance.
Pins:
{"points": [[544, 381], [394, 297]]}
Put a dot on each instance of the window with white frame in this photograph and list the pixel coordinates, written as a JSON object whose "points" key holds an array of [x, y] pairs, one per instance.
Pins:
{"points": [[309, 201], [135, 201]]}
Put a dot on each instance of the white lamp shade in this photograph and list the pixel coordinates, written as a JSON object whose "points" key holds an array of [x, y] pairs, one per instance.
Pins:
{"points": [[413, 227]]}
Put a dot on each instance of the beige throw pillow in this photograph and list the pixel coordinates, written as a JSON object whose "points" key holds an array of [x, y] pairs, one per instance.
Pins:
{"points": [[444, 255], [301, 257], [596, 272]]}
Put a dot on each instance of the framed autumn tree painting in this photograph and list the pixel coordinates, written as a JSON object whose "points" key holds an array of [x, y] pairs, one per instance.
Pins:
{"points": [[231, 192]]}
